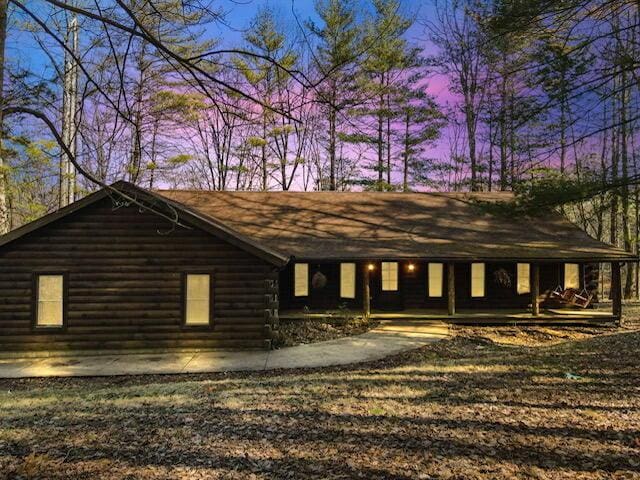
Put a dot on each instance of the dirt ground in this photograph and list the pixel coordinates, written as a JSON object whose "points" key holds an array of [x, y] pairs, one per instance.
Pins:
{"points": [[487, 403]]}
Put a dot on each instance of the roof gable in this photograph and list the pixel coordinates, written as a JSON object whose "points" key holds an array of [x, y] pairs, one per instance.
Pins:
{"points": [[184, 214]]}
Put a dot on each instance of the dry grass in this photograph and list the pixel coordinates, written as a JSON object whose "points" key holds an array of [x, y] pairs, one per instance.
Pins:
{"points": [[474, 406]]}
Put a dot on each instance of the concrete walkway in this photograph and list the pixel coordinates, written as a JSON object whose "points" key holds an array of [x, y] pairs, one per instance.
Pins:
{"points": [[387, 339]]}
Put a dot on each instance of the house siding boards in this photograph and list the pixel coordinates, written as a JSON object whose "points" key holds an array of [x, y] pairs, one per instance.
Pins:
{"points": [[124, 284]]}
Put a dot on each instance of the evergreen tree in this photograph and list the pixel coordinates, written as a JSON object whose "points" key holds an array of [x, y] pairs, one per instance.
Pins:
{"points": [[386, 62], [338, 37], [419, 122], [268, 76]]}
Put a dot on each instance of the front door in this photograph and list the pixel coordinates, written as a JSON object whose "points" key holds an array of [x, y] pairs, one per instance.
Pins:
{"points": [[385, 283]]}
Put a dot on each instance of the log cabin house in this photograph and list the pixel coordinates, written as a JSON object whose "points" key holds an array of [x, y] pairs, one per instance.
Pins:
{"points": [[115, 272]]}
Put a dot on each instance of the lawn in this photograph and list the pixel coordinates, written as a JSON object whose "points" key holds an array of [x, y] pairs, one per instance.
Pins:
{"points": [[494, 403]]}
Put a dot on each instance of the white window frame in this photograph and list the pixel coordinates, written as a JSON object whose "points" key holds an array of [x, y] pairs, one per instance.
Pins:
{"points": [[523, 278], [348, 280], [40, 301], [301, 280], [567, 274], [435, 279], [189, 300], [478, 274], [389, 276]]}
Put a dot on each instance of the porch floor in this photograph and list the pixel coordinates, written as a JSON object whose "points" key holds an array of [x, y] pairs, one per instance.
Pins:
{"points": [[471, 316]]}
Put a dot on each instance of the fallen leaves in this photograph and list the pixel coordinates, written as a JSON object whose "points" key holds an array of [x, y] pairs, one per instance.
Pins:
{"points": [[450, 410]]}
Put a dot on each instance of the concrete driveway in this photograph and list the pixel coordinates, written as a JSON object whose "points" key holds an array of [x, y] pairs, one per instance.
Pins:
{"points": [[388, 338]]}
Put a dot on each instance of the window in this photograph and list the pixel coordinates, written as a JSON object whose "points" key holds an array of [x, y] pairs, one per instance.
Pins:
{"points": [[389, 276], [477, 279], [571, 275], [198, 301], [50, 301], [301, 279], [523, 282], [348, 280], [435, 279]]}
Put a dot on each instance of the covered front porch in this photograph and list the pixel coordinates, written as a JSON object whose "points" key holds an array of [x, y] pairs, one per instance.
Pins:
{"points": [[491, 292]]}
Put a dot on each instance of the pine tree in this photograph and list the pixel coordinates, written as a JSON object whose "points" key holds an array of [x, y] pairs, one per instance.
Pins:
{"points": [[268, 75], [419, 124], [70, 103], [335, 59], [387, 60], [178, 28]]}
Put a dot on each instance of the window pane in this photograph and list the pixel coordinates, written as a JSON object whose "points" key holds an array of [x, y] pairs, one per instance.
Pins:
{"points": [[477, 279], [50, 313], [301, 279], [524, 284], [348, 280], [198, 302], [435, 279], [571, 275], [50, 288], [389, 275]]}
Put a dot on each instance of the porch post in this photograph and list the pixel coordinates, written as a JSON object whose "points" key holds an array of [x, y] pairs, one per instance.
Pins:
{"points": [[616, 291], [366, 292], [451, 289], [535, 289]]}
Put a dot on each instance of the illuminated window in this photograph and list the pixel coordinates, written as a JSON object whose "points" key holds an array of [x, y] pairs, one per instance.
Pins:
{"points": [[348, 280], [477, 279], [301, 279], [571, 275], [50, 301], [198, 301], [523, 282], [435, 279], [389, 276]]}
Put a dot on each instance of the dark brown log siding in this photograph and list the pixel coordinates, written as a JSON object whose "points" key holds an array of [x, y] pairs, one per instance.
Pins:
{"points": [[124, 284]]}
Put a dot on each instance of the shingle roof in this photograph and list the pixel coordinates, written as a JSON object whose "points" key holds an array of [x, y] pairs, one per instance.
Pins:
{"points": [[368, 225]]}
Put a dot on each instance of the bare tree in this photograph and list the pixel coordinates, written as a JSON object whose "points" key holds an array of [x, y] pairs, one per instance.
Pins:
{"points": [[459, 37], [67, 183], [4, 212]]}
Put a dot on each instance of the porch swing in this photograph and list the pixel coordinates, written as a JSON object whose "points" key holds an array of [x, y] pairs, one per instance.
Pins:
{"points": [[573, 296]]}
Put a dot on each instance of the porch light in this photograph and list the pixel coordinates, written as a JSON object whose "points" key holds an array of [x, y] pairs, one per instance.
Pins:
{"points": [[371, 267], [411, 267]]}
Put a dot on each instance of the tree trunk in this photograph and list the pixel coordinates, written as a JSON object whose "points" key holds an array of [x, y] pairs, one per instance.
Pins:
{"points": [[405, 156], [380, 140], [69, 109], [388, 140], [563, 124], [626, 227], [503, 136], [4, 211], [613, 231], [490, 179], [264, 153], [332, 147]]}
